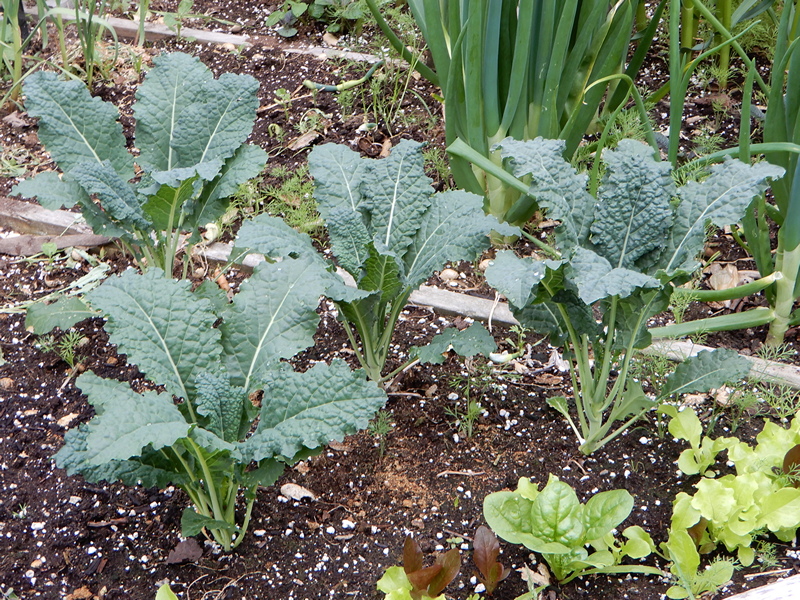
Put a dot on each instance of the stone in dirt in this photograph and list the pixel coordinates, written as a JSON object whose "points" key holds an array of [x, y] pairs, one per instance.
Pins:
{"points": [[186, 551], [296, 492]]}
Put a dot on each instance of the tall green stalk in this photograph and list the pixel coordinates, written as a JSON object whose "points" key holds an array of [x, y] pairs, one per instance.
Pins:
{"points": [[725, 12], [521, 69]]}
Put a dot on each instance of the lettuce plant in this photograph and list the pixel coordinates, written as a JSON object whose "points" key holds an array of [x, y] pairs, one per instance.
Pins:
{"points": [[190, 136], [412, 581], [553, 522], [486, 549], [617, 256], [733, 509], [388, 230], [215, 441]]}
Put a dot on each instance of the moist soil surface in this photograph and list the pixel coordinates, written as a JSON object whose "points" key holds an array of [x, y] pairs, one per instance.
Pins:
{"points": [[61, 537]]}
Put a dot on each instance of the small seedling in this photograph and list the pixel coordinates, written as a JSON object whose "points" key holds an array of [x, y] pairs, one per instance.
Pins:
{"points": [[465, 421], [436, 161], [679, 303], [767, 555], [422, 583], [9, 594], [312, 120], [21, 512], [283, 97], [380, 427], [66, 348], [486, 549]]}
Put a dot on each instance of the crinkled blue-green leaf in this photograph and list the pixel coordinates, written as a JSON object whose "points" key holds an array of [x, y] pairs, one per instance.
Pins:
{"points": [[633, 214], [338, 172], [311, 409], [75, 127], [597, 279], [720, 199], [272, 317], [515, 277], [397, 193], [555, 185], [454, 228], [128, 421], [163, 328], [115, 194]]}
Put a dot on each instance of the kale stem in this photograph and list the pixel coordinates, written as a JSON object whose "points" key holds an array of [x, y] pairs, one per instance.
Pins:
{"points": [[359, 355], [609, 346], [546, 248], [224, 536], [398, 304], [246, 523]]}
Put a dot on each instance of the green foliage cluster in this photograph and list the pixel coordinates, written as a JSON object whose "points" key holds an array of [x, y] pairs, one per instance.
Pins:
{"points": [[190, 132], [389, 232], [733, 509], [340, 16], [520, 69], [554, 523], [215, 442], [413, 581], [618, 251]]}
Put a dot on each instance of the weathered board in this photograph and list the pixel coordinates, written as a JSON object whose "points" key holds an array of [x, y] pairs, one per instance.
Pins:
{"points": [[783, 589], [25, 217]]}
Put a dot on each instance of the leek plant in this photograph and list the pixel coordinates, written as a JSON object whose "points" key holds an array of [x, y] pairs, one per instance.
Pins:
{"points": [[15, 37], [522, 69], [681, 69], [779, 267], [88, 25]]}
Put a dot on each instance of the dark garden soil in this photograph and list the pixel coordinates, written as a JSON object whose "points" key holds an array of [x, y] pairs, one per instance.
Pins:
{"points": [[61, 537]]}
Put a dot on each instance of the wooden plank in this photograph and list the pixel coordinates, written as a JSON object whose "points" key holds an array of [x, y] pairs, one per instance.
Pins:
{"points": [[129, 29], [30, 245], [783, 589], [766, 370], [24, 217]]}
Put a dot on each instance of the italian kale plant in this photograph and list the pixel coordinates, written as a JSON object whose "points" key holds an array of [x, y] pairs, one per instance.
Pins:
{"points": [[618, 254], [553, 522], [232, 414], [190, 135], [389, 231]]}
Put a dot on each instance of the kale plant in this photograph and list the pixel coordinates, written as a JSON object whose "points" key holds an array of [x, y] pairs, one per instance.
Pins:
{"points": [[618, 255], [190, 135], [389, 231], [216, 440]]}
